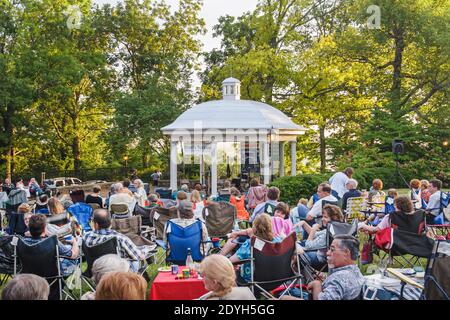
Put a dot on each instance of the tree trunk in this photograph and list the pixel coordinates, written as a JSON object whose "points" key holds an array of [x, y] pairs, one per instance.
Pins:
{"points": [[9, 130], [322, 148], [76, 149], [396, 77]]}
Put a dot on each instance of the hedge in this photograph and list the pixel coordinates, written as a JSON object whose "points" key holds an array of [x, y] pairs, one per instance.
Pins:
{"points": [[305, 185]]}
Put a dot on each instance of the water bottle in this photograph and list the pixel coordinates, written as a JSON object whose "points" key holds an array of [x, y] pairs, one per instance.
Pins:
{"points": [[236, 225], [189, 260]]}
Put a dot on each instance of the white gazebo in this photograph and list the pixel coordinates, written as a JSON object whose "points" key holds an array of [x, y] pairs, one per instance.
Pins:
{"points": [[259, 129]]}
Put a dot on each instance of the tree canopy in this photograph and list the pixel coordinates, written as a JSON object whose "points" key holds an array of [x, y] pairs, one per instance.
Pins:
{"points": [[87, 95]]}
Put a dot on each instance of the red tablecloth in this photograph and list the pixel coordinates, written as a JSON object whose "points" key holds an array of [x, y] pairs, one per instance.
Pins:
{"points": [[166, 287]]}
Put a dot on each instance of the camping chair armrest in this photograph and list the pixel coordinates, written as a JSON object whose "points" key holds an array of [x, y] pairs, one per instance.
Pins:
{"points": [[277, 280], [238, 263], [161, 244], [145, 230], [404, 278]]}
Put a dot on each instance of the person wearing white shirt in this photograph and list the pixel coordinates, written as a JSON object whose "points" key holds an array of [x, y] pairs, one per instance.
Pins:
{"points": [[121, 196], [324, 192], [434, 204], [338, 182]]}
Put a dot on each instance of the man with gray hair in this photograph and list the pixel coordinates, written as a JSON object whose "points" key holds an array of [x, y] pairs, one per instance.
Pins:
{"points": [[121, 195], [351, 193], [26, 286], [102, 232], [344, 281], [103, 265]]}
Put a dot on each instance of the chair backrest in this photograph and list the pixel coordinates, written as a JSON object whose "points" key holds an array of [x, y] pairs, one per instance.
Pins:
{"points": [[404, 242], [130, 225], [119, 209], [182, 238], [414, 223], [378, 203], [325, 202], [40, 258], [219, 218], [335, 228], [355, 209], [160, 216], [83, 214], [437, 281], [389, 205], [7, 255], [164, 193], [94, 252], [223, 197], [59, 219], [16, 224], [272, 261]]}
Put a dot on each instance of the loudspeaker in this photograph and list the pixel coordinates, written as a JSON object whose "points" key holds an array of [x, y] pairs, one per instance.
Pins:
{"points": [[398, 146]]}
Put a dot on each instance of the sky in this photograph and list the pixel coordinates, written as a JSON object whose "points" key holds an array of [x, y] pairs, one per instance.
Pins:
{"points": [[211, 11]]}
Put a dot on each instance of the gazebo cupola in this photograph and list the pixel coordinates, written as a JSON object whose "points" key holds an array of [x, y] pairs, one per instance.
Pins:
{"points": [[231, 89]]}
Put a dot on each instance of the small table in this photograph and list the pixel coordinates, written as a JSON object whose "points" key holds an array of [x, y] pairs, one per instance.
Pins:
{"points": [[166, 287], [399, 287]]}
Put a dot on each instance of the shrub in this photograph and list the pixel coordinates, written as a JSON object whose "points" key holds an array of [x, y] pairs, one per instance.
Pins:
{"points": [[301, 186]]}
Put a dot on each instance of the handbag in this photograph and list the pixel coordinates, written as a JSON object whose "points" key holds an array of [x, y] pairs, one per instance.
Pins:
{"points": [[367, 252]]}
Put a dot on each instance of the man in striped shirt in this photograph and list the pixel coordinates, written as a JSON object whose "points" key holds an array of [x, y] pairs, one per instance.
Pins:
{"points": [[102, 232]]}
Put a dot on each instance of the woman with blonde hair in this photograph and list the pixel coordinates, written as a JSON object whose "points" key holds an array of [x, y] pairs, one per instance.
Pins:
{"points": [[198, 204], [220, 280], [121, 286], [262, 229]]}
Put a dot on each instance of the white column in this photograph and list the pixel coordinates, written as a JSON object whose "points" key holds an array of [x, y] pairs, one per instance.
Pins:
{"points": [[202, 169], [213, 167], [173, 165], [293, 158], [282, 159], [266, 162]]}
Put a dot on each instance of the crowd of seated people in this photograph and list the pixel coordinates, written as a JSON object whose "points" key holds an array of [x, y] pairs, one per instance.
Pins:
{"points": [[271, 220]]}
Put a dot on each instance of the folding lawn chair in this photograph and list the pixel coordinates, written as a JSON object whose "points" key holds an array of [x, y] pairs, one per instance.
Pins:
{"points": [[405, 242], [6, 259], [180, 239], [272, 266], [356, 208], [43, 259], [119, 211], [436, 284], [83, 215], [219, 218], [140, 235]]}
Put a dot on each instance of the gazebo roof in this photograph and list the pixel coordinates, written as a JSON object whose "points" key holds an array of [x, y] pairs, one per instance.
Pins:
{"points": [[233, 114]]}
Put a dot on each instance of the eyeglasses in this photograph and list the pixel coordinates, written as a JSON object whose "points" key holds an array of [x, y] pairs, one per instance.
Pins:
{"points": [[333, 249]]}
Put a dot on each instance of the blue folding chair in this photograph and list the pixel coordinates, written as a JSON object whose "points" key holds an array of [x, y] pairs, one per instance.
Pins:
{"points": [[180, 239], [82, 212], [442, 218]]}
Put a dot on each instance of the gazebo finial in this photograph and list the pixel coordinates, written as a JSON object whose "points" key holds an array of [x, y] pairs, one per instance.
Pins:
{"points": [[231, 89]]}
